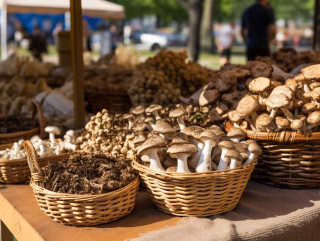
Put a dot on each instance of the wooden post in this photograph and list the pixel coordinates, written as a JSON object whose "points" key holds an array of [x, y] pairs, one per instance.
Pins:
{"points": [[5, 234], [77, 62], [316, 26]]}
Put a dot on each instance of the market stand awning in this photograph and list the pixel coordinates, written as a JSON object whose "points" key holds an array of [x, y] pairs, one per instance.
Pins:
{"points": [[93, 8]]}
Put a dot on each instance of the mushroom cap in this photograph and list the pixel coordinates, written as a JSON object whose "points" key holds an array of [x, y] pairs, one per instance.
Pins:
{"points": [[255, 148], [226, 144], [296, 124], [193, 131], [244, 155], [139, 139], [292, 84], [209, 134], [240, 147], [311, 72], [277, 101], [153, 108], [314, 117], [237, 133], [182, 149], [153, 141], [139, 126], [148, 119], [314, 85], [163, 127], [300, 78], [138, 110], [234, 117], [71, 133], [179, 138], [316, 93], [263, 120], [234, 154], [259, 85], [282, 122], [177, 112], [53, 129], [308, 107], [127, 116], [247, 106], [217, 131], [283, 89]]}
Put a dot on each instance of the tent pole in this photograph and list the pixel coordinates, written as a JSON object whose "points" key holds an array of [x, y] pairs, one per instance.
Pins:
{"points": [[77, 62], [316, 26], [4, 31]]}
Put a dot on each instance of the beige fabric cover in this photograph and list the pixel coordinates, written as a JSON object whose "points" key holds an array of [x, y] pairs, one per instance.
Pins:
{"points": [[264, 213]]}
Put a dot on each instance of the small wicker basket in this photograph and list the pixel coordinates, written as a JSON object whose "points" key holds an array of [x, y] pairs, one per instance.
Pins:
{"points": [[15, 136], [80, 210], [17, 170], [195, 194], [289, 159]]}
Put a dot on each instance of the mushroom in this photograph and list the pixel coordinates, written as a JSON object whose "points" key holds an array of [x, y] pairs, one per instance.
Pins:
{"points": [[194, 132], [279, 101], [225, 146], [163, 128], [210, 141], [154, 109], [235, 158], [150, 148], [308, 107], [234, 118], [139, 111], [182, 152], [254, 151], [179, 138], [52, 131], [138, 140], [282, 123], [300, 78], [236, 135], [313, 119], [260, 86], [246, 108], [297, 125], [128, 117], [179, 114], [150, 122], [264, 122]]}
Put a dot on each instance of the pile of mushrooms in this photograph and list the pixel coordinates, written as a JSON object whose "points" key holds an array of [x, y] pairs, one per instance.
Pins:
{"points": [[43, 148], [293, 106], [165, 77], [195, 149]]}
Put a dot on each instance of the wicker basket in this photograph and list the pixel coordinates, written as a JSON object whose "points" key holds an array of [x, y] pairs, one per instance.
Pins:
{"points": [[288, 159], [195, 194], [15, 136], [114, 101], [80, 210], [17, 171]]}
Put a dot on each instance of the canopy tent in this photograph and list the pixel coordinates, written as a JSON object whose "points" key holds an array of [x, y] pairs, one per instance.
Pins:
{"points": [[92, 8]]}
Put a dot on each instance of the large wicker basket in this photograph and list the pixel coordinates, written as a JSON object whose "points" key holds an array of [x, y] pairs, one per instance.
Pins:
{"points": [[80, 210], [17, 170], [117, 101], [289, 159], [15, 136], [195, 194]]}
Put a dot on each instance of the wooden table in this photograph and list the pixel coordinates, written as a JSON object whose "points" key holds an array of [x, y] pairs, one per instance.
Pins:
{"points": [[19, 212]]}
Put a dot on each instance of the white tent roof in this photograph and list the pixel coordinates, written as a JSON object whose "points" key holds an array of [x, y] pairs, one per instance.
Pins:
{"points": [[94, 8]]}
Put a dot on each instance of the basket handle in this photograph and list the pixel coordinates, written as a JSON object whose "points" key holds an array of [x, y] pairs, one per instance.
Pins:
{"points": [[42, 119], [36, 173]]}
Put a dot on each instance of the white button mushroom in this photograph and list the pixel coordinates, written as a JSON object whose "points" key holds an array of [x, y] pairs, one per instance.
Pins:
{"points": [[52, 131]]}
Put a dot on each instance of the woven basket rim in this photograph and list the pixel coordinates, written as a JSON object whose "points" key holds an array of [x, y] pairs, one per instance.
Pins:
{"points": [[282, 136], [141, 168], [82, 197]]}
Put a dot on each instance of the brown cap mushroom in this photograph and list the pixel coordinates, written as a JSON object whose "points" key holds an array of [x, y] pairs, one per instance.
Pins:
{"points": [[163, 128], [154, 109], [179, 138], [182, 152], [264, 122], [247, 106], [311, 72], [236, 135], [224, 146], [235, 157], [277, 101], [255, 151], [282, 123], [179, 114], [139, 110], [313, 119], [297, 125], [259, 85], [234, 117]]}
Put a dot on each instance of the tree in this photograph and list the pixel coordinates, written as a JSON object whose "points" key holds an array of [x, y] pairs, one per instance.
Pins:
{"points": [[194, 8], [207, 41]]}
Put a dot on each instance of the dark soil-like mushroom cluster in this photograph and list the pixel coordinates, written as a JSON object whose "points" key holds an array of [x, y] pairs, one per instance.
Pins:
{"points": [[294, 106], [165, 77], [288, 59], [9, 124], [87, 173]]}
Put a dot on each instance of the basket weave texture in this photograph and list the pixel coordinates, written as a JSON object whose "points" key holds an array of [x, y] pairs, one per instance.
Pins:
{"points": [[195, 194], [289, 159], [80, 210], [15, 136], [17, 170]]}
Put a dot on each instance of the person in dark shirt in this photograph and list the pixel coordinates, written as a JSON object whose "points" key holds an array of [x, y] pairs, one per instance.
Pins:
{"points": [[258, 29], [38, 44]]}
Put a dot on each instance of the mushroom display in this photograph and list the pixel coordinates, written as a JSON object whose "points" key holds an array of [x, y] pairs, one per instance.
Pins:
{"points": [[293, 106]]}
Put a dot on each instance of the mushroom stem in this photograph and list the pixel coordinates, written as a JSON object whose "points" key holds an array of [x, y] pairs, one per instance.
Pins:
{"points": [[223, 162], [156, 115], [204, 163], [306, 88], [130, 124], [287, 114], [155, 163], [182, 163], [195, 158], [181, 123], [253, 127], [52, 138], [250, 159], [235, 163], [273, 113]]}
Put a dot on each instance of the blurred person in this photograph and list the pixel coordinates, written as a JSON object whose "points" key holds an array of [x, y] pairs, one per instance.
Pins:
{"points": [[114, 36], [258, 29], [225, 41], [56, 30], [38, 43]]}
